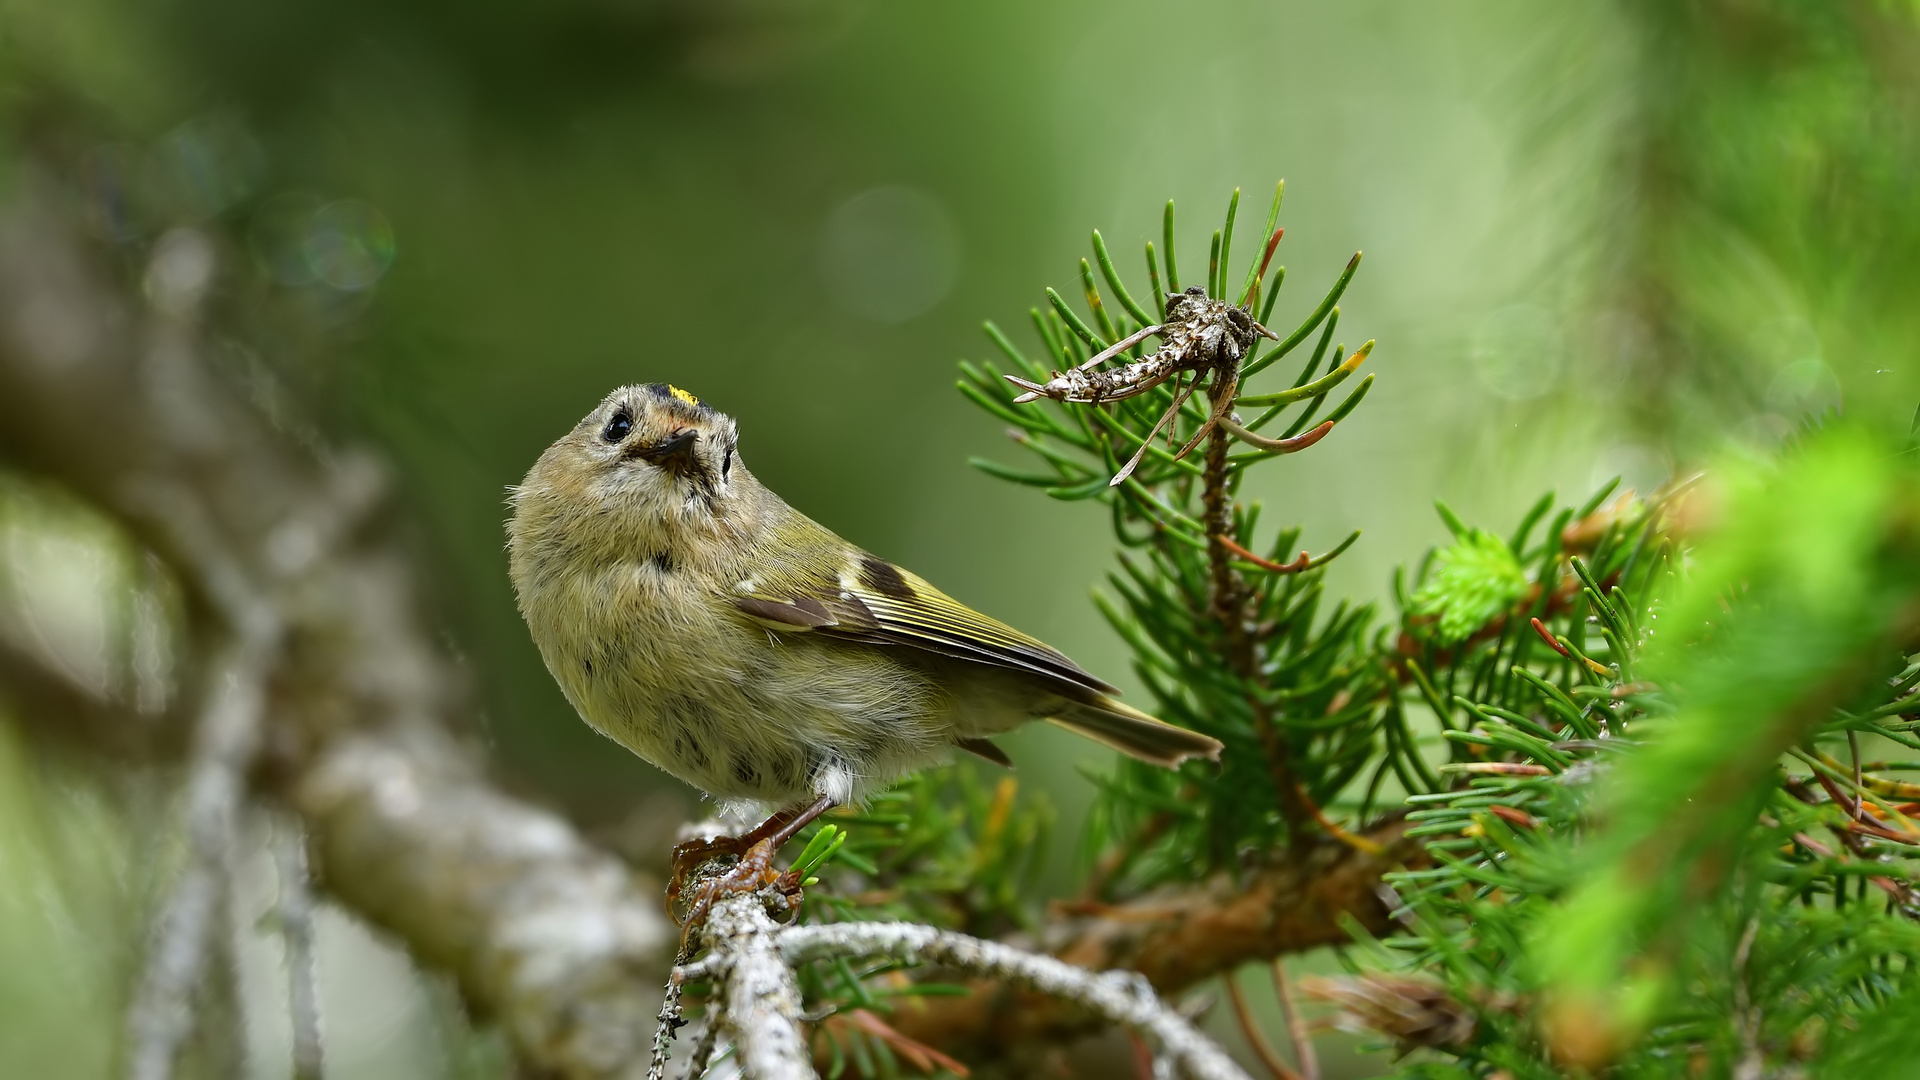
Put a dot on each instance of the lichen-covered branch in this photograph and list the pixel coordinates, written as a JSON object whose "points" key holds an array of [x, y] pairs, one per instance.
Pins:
{"points": [[760, 1007], [1116, 997]]}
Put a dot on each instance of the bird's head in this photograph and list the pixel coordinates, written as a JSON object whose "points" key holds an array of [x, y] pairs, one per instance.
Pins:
{"points": [[653, 454]]}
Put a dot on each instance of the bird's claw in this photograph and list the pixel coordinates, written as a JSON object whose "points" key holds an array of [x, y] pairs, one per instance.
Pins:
{"points": [[753, 873]]}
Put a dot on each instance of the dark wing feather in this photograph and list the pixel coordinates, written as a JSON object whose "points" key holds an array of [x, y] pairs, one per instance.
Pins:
{"points": [[987, 749], [801, 614], [868, 600]]}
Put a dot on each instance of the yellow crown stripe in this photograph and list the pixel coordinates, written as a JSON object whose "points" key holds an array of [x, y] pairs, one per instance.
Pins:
{"points": [[682, 395]]}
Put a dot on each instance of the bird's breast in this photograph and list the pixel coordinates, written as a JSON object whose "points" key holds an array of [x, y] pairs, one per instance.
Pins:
{"points": [[660, 660]]}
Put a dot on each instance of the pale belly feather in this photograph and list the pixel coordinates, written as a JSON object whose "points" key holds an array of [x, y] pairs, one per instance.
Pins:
{"points": [[675, 674]]}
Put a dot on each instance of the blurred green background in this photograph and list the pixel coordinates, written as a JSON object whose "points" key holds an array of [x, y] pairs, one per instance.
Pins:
{"points": [[1601, 238]]}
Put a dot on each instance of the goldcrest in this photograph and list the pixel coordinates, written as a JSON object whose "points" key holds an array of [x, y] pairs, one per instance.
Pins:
{"points": [[695, 618]]}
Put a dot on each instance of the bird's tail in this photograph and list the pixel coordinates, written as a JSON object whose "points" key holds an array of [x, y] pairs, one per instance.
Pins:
{"points": [[1134, 733]]}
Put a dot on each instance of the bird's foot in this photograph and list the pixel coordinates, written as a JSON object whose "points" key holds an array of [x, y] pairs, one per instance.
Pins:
{"points": [[689, 857], [753, 873], [754, 850]]}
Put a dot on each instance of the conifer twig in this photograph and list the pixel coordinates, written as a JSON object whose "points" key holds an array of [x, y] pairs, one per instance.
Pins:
{"points": [[669, 1022], [924, 1057], [1228, 602], [1176, 938]]}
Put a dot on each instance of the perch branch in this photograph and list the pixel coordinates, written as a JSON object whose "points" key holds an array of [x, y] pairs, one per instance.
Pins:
{"points": [[761, 1011]]}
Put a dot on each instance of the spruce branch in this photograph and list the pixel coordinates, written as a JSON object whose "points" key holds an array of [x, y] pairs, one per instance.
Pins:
{"points": [[1104, 414]]}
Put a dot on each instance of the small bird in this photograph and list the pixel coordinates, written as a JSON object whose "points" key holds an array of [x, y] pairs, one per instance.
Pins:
{"points": [[692, 616]]}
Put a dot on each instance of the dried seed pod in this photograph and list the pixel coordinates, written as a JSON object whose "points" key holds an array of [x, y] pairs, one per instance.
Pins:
{"points": [[1413, 1012]]}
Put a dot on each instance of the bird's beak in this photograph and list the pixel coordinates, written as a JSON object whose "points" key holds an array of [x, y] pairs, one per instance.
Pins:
{"points": [[674, 453]]}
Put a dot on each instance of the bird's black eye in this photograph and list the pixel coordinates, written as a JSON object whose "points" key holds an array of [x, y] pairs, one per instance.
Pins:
{"points": [[618, 427]]}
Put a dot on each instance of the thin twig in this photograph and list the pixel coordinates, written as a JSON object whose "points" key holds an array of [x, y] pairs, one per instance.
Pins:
{"points": [[296, 932], [1362, 844], [919, 1054], [703, 1047], [1228, 601], [220, 1014], [1118, 997], [1304, 562], [1746, 1016], [1261, 1048], [161, 1015], [670, 1021], [1296, 1022], [1143, 1060]]}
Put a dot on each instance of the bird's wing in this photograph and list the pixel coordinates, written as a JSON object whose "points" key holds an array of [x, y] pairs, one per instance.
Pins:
{"points": [[859, 597]]}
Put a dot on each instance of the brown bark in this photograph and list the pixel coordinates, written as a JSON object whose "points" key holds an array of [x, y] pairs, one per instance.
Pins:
{"points": [[1178, 938]]}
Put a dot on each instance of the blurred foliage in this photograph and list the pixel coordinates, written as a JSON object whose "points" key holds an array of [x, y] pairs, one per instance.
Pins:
{"points": [[1773, 236], [1687, 854], [75, 871], [79, 595]]}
